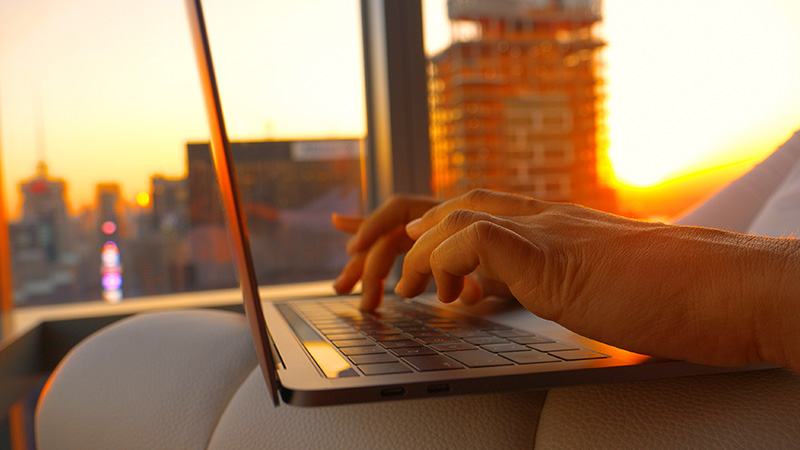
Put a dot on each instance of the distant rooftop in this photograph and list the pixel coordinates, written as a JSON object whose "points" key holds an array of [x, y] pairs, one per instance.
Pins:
{"points": [[544, 10]]}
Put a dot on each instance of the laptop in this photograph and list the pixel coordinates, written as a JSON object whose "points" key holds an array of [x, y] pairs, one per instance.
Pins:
{"points": [[324, 351]]}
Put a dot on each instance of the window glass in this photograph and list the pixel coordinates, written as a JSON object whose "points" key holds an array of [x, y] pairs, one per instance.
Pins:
{"points": [[642, 108], [108, 182]]}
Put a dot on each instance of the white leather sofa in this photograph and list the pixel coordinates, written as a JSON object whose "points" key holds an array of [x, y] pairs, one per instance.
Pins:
{"points": [[190, 380]]}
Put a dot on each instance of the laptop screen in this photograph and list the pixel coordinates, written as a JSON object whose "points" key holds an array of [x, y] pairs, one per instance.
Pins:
{"points": [[231, 198]]}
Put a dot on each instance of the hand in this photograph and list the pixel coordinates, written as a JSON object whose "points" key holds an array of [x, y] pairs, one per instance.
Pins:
{"points": [[377, 241], [690, 293]]}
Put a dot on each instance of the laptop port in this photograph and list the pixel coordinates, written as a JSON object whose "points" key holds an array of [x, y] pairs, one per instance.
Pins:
{"points": [[438, 388], [393, 392]]}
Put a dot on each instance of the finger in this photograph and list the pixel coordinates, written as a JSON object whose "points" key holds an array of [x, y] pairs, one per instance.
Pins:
{"points": [[350, 274], [479, 200], [416, 266], [478, 286], [501, 252], [397, 211], [473, 290], [348, 224], [378, 264]]}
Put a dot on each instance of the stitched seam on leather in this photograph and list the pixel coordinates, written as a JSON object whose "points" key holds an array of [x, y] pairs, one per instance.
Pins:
{"points": [[247, 374]]}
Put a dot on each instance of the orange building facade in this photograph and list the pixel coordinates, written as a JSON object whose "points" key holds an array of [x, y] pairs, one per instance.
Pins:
{"points": [[517, 101]]}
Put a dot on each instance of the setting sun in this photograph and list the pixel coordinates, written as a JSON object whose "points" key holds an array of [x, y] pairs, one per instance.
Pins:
{"points": [[143, 199], [697, 85]]}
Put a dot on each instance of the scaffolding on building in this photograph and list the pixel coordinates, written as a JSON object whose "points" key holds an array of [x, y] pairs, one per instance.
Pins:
{"points": [[517, 101]]}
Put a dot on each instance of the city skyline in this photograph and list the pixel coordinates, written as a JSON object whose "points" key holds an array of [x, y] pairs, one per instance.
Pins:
{"points": [[731, 98]]}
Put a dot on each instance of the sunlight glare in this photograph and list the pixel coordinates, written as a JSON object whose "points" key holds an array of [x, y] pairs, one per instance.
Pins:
{"points": [[688, 86]]}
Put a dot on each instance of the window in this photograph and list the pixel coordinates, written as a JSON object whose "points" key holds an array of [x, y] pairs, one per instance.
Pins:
{"points": [[606, 94], [108, 178]]}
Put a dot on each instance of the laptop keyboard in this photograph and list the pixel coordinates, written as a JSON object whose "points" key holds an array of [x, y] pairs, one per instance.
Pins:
{"points": [[405, 336]]}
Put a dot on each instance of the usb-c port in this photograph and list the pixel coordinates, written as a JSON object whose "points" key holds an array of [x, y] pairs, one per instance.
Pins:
{"points": [[438, 388], [393, 392]]}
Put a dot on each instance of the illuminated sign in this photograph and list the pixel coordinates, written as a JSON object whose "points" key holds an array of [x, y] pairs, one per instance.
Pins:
{"points": [[111, 270], [326, 150], [108, 227], [112, 281]]}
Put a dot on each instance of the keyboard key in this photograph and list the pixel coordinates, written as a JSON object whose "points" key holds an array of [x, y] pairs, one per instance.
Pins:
{"points": [[353, 343], [349, 351], [413, 351], [470, 334], [384, 369], [400, 344], [426, 333], [432, 362], [416, 328], [478, 358], [511, 333], [529, 357], [486, 340], [552, 347], [336, 330], [508, 347], [382, 332], [576, 355], [530, 340], [373, 359], [438, 339], [345, 336], [454, 346], [391, 337]]}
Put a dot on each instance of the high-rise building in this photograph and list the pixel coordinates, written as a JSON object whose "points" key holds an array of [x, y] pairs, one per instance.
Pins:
{"points": [[41, 250], [169, 200], [517, 101], [289, 189], [154, 259], [44, 205]]}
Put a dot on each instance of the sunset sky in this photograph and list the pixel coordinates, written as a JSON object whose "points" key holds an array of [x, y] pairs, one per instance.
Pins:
{"points": [[108, 90]]}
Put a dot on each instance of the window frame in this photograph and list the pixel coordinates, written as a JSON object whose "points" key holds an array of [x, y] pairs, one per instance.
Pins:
{"points": [[397, 150]]}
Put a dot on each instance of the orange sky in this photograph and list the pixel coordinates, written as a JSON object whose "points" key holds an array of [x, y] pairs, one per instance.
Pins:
{"points": [[692, 84]]}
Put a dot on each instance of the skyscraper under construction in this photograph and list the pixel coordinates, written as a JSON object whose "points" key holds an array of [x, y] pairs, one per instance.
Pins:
{"points": [[517, 101]]}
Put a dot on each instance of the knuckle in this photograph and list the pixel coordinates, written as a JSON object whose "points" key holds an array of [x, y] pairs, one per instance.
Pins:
{"points": [[459, 219], [485, 232], [476, 197]]}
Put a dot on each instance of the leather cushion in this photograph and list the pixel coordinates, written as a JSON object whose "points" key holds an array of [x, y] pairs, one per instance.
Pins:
{"points": [[158, 380], [735, 410]]}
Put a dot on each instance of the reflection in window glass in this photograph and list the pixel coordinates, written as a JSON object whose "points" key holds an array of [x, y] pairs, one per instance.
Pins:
{"points": [[107, 171]]}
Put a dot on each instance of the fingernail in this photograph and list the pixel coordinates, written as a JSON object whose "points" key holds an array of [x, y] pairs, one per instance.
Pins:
{"points": [[398, 288], [412, 228]]}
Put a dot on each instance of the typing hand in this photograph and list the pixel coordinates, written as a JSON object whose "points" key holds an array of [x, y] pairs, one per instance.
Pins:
{"points": [[678, 292], [377, 241]]}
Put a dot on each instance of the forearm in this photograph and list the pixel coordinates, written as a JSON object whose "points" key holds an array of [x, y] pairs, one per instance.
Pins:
{"points": [[777, 317]]}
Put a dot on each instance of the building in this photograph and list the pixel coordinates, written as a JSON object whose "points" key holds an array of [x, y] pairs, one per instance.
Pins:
{"points": [[517, 101], [44, 204], [169, 200], [41, 246], [154, 259], [289, 189]]}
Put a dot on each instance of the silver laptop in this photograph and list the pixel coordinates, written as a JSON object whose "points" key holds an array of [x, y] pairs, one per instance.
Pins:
{"points": [[324, 351]]}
